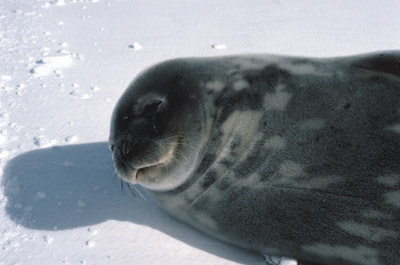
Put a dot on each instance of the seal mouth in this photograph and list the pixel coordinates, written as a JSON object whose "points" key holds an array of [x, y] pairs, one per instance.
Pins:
{"points": [[142, 173]]}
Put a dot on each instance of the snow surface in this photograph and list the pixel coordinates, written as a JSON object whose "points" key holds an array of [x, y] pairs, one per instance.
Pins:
{"points": [[64, 64]]}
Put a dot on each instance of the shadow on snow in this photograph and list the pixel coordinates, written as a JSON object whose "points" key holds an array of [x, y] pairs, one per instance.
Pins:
{"points": [[66, 187]]}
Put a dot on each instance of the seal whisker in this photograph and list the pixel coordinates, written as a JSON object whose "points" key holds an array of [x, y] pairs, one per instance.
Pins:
{"points": [[131, 189], [111, 170], [168, 138], [178, 152], [188, 145], [177, 161], [186, 140], [121, 185], [134, 188]]}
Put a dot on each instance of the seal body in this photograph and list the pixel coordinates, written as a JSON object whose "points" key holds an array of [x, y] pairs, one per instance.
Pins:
{"points": [[288, 156]]}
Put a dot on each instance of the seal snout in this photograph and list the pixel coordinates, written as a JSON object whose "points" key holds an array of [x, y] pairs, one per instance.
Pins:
{"points": [[133, 151], [137, 159], [130, 149]]}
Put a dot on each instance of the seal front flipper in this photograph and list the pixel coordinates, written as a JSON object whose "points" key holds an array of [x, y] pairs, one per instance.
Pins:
{"points": [[385, 62]]}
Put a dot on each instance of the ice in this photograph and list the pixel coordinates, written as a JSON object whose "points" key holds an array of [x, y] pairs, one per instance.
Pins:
{"points": [[3, 153], [59, 2], [3, 139], [49, 64], [56, 61], [5, 78], [219, 46], [89, 243], [80, 94], [68, 164], [136, 46], [71, 138], [48, 239], [40, 195], [93, 232], [41, 70], [43, 141]]}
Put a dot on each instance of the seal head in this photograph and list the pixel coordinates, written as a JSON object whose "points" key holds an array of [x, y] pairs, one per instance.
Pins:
{"points": [[156, 129]]}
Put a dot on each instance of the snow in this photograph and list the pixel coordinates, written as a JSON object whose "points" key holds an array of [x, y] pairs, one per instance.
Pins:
{"points": [[136, 46], [64, 65]]}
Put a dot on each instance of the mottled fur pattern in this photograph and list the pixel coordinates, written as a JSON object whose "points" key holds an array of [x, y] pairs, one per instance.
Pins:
{"points": [[299, 157]]}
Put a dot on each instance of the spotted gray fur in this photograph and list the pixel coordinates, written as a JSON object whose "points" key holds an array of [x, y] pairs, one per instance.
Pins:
{"points": [[295, 157]]}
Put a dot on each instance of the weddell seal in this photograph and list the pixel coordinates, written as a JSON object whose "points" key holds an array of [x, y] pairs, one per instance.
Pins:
{"points": [[287, 156]]}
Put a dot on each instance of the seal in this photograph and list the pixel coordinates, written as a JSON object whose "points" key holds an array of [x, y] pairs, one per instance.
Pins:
{"points": [[287, 156]]}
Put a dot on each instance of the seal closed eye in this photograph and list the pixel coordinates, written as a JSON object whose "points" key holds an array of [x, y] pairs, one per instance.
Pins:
{"points": [[287, 156]]}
